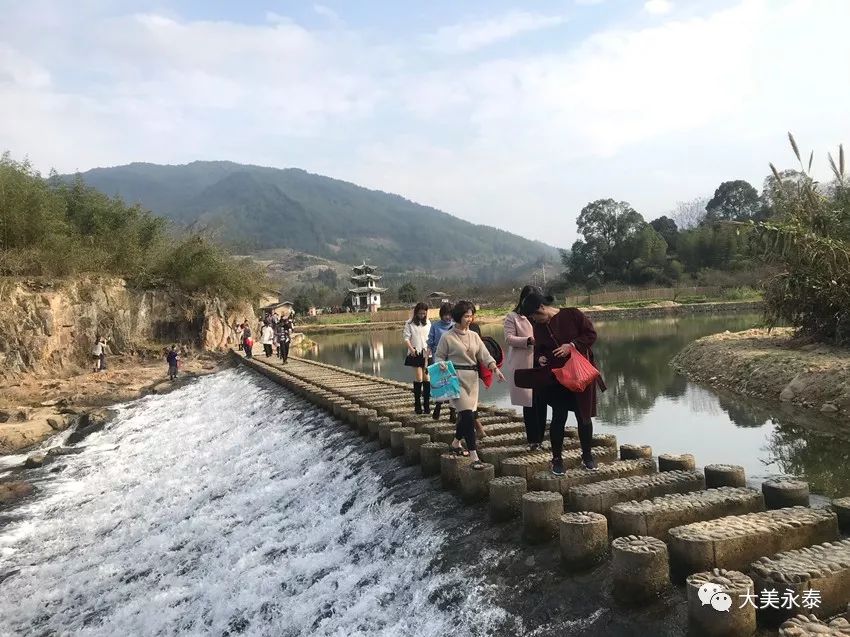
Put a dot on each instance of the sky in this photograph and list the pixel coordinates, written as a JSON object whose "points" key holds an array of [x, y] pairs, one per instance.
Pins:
{"points": [[511, 114]]}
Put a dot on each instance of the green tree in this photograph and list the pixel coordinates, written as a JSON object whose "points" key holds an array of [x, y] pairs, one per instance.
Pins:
{"points": [[666, 227], [608, 228], [407, 293], [733, 201]]}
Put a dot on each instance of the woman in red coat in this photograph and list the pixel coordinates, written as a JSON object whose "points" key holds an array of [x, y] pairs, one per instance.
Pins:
{"points": [[557, 332]]}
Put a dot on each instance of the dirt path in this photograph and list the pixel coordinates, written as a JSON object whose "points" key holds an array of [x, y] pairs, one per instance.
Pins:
{"points": [[773, 366], [34, 408]]}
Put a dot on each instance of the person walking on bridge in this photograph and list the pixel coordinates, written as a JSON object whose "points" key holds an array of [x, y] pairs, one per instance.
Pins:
{"points": [[465, 349], [438, 328], [267, 338], [558, 333], [415, 335], [519, 337], [284, 337]]}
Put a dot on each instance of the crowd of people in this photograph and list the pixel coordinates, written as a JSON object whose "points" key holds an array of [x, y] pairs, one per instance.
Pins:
{"points": [[275, 336], [540, 338]]}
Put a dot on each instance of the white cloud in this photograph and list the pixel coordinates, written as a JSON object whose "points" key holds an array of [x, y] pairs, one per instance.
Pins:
{"points": [[470, 36], [650, 114], [658, 7]]}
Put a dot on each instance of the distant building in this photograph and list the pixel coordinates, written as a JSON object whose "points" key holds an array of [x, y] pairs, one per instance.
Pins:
{"points": [[436, 298], [282, 309], [365, 296]]}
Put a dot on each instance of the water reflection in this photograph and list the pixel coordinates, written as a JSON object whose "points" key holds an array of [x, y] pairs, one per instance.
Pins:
{"points": [[649, 402]]}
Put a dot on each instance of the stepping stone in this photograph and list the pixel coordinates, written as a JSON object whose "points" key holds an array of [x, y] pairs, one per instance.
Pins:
{"points": [[657, 516], [640, 567], [841, 506], [531, 463], [506, 497], [541, 515], [474, 483], [724, 475], [635, 452], [601, 496], [516, 440], [734, 542], [412, 445], [497, 455], [545, 481], [584, 538], [676, 462], [811, 626], [429, 456], [705, 620], [785, 492], [824, 568]]}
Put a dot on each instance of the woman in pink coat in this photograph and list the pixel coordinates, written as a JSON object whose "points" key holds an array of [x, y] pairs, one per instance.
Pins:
{"points": [[519, 338]]}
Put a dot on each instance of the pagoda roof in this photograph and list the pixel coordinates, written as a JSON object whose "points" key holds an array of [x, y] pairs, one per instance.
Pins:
{"points": [[366, 277], [363, 289], [364, 268]]}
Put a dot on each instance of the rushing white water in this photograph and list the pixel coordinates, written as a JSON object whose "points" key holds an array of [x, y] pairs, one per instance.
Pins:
{"points": [[226, 507]]}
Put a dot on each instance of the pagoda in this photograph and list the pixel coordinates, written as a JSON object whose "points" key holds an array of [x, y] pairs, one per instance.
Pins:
{"points": [[365, 295]]}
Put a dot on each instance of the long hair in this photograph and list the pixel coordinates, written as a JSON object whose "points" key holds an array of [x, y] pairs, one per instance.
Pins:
{"points": [[416, 309], [526, 290]]}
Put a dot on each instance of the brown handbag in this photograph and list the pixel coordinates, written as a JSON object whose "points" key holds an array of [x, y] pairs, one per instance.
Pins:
{"points": [[534, 378]]}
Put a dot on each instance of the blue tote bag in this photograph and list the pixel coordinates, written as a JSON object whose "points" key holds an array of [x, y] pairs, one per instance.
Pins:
{"points": [[445, 385]]}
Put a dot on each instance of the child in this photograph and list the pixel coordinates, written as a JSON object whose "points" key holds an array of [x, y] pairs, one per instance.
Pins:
{"points": [[172, 358]]}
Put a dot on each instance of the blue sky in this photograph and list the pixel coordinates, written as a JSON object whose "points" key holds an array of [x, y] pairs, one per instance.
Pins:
{"points": [[513, 114]]}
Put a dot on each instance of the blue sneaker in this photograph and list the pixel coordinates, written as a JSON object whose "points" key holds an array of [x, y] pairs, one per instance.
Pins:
{"points": [[558, 467], [589, 463]]}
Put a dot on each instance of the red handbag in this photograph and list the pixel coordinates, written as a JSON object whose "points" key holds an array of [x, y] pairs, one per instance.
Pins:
{"points": [[577, 374]]}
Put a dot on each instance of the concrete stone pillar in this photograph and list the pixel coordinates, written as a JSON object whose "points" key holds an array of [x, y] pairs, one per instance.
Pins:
{"points": [[450, 465], [584, 538], [474, 482], [811, 626], [412, 444], [640, 566], [429, 457], [704, 620], [366, 415], [635, 452], [785, 492], [724, 475], [676, 462], [604, 440], [397, 436], [384, 430], [374, 423], [841, 506], [506, 497], [541, 514]]}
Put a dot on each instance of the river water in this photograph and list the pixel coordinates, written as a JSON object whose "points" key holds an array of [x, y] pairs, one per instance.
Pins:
{"points": [[231, 507], [648, 402]]}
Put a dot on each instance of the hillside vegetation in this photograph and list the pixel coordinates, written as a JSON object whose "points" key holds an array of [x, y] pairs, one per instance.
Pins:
{"points": [[252, 208], [56, 228]]}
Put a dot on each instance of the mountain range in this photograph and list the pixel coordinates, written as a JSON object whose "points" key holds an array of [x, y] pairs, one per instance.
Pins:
{"points": [[254, 209]]}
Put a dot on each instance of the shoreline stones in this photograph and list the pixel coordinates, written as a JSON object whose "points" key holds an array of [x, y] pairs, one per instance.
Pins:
{"points": [[676, 462], [541, 514], [706, 620], [583, 538], [640, 568], [506, 497], [724, 475], [785, 492]]}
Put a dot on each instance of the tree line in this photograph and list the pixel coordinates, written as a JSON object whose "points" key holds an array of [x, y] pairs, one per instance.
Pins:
{"points": [[52, 227], [618, 245]]}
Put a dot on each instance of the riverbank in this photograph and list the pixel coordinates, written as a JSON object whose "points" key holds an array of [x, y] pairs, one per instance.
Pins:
{"points": [[772, 365], [596, 313], [34, 408]]}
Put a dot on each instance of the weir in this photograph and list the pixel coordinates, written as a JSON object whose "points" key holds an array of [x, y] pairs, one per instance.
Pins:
{"points": [[674, 523]]}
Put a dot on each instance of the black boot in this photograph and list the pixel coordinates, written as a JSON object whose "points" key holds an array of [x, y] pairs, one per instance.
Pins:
{"points": [[417, 397], [452, 414], [426, 397], [436, 413]]}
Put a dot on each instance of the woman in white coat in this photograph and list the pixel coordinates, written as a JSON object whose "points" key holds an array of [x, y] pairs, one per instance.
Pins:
{"points": [[519, 337]]}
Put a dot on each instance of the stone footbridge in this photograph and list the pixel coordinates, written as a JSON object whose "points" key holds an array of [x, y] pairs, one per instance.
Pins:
{"points": [[655, 521]]}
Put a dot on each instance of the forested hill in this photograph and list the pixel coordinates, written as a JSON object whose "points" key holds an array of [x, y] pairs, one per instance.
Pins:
{"points": [[252, 208]]}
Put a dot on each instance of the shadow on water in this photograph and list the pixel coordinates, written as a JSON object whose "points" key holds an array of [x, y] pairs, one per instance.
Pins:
{"points": [[648, 402]]}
